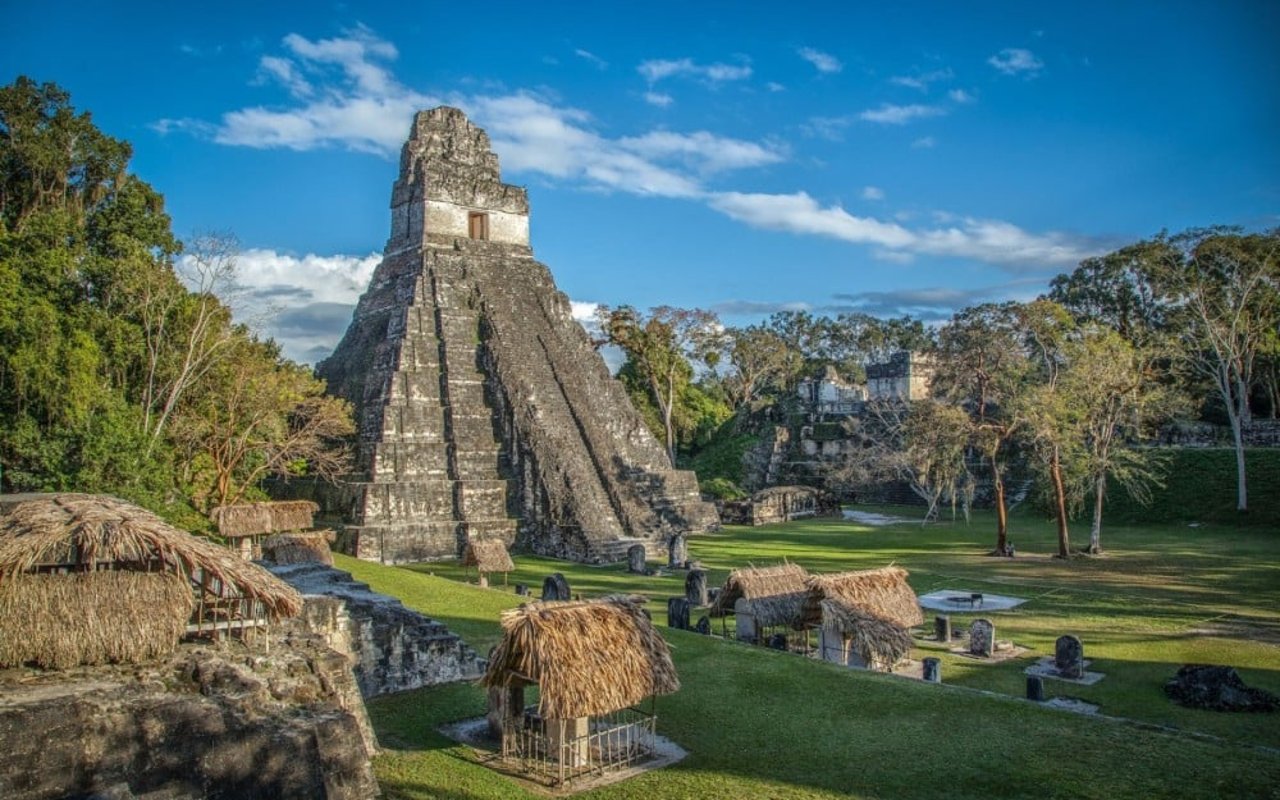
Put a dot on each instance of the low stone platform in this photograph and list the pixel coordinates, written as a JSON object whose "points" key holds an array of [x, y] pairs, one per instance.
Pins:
{"points": [[1046, 668], [393, 648], [960, 601]]}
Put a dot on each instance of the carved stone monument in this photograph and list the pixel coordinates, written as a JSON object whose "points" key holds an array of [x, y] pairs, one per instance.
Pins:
{"points": [[982, 638], [677, 551], [1068, 657], [695, 587], [635, 559], [555, 587], [483, 409], [942, 628], [678, 613]]}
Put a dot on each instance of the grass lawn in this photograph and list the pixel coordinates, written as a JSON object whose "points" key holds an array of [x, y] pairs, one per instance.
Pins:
{"points": [[764, 724]]}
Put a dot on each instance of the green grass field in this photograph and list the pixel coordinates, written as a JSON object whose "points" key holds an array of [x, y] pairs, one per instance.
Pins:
{"points": [[765, 724]]}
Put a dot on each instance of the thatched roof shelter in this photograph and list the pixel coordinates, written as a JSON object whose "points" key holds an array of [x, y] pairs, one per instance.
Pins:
{"points": [[878, 643], [488, 555], [588, 657], [260, 519], [776, 593], [83, 532], [881, 593]]}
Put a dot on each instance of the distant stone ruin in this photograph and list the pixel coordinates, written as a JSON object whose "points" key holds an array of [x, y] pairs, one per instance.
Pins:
{"points": [[483, 409]]}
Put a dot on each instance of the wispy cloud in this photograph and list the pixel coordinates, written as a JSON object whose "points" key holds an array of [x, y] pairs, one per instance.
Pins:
{"points": [[774, 86], [656, 70], [659, 99], [992, 241], [922, 80], [1016, 61], [730, 308], [590, 57], [889, 114], [925, 143], [933, 304], [701, 151], [823, 62], [872, 193], [830, 128], [961, 97]]}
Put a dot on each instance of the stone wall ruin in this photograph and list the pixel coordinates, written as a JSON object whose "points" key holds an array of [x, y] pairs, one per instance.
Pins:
{"points": [[483, 409]]}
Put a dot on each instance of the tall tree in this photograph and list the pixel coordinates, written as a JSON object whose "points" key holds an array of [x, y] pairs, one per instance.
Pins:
{"points": [[1051, 421], [983, 368], [661, 346], [1226, 289], [1119, 398], [758, 358]]}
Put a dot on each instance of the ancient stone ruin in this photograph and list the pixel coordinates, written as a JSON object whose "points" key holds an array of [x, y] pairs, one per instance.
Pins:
{"points": [[483, 409]]}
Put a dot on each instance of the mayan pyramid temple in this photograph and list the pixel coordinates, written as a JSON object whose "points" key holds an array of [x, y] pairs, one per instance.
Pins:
{"points": [[483, 410]]}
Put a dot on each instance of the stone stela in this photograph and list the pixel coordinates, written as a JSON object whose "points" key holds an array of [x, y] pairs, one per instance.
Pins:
{"points": [[483, 409]]}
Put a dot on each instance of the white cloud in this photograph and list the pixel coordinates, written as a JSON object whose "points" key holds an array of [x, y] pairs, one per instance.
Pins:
{"points": [[830, 128], [1016, 61], [800, 213], [889, 114], [659, 99], [921, 80], [992, 241], [774, 86], [703, 151], [655, 70], [823, 62], [960, 96], [925, 143], [303, 302], [592, 58], [872, 193], [286, 73]]}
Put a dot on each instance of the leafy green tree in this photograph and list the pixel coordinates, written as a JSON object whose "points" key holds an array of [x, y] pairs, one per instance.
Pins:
{"points": [[1051, 419], [1225, 290], [661, 346], [983, 368], [1119, 398]]}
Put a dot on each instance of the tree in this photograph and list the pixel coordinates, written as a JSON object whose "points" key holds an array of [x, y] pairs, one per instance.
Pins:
{"points": [[257, 416], [759, 359], [1120, 397], [1114, 290], [982, 367], [660, 347], [1050, 417], [922, 443], [1225, 287]]}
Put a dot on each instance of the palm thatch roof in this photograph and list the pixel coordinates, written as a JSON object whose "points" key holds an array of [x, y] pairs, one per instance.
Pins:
{"points": [[311, 547], [882, 593], [776, 593], [877, 641], [257, 519], [110, 616], [84, 531], [588, 657], [488, 555]]}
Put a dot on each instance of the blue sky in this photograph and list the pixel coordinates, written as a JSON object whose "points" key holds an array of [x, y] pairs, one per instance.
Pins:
{"points": [[741, 157]]}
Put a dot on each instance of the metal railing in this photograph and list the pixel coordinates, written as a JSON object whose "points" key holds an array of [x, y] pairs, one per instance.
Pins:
{"points": [[550, 750]]}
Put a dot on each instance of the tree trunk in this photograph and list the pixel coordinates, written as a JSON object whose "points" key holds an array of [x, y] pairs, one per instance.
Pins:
{"points": [[1095, 532], [1060, 505], [1237, 435], [1002, 515]]}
